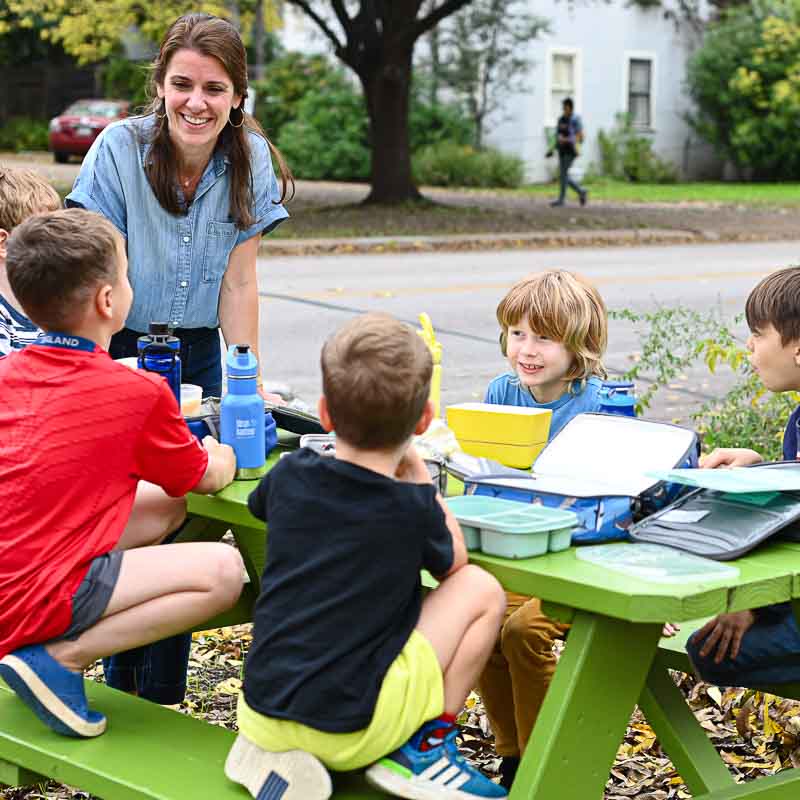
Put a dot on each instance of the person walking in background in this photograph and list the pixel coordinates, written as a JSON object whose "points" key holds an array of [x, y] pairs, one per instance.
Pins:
{"points": [[569, 137]]}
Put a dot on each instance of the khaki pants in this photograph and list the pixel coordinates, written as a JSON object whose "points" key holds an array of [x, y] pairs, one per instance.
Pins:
{"points": [[515, 679]]}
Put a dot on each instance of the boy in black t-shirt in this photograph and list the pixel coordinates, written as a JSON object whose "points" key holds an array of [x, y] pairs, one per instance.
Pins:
{"points": [[349, 665]]}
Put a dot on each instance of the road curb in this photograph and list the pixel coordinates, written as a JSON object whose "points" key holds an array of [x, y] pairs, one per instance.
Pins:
{"points": [[505, 241]]}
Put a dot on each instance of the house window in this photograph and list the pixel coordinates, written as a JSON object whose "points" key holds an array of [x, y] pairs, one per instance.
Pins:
{"points": [[563, 82], [640, 78]]}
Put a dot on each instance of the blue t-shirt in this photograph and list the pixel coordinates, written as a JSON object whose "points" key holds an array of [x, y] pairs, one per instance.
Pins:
{"points": [[507, 390]]}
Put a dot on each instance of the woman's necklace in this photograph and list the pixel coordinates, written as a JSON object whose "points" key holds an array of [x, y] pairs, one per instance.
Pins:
{"points": [[190, 183]]}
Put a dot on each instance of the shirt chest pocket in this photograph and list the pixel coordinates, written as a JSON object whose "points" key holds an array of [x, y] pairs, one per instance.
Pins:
{"points": [[219, 244]]}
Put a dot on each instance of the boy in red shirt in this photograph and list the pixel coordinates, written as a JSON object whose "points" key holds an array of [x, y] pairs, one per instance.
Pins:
{"points": [[95, 459]]}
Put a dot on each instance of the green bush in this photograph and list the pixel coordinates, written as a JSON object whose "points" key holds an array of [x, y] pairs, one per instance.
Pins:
{"points": [[745, 83], [453, 164], [328, 139], [432, 124], [627, 155], [126, 80], [674, 339], [23, 133], [289, 79]]}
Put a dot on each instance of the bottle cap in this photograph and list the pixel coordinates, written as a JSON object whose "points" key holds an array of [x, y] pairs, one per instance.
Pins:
{"points": [[241, 362]]}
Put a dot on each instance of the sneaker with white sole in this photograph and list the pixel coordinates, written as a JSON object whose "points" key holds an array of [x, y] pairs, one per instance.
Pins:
{"points": [[290, 775], [55, 694], [440, 773]]}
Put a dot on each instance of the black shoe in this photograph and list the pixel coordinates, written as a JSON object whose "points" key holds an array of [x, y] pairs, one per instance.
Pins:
{"points": [[508, 771], [583, 196], [556, 203]]}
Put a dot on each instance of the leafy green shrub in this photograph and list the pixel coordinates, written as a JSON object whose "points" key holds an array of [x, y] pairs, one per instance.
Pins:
{"points": [[328, 139], [431, 124], [745, 83], [453, 164], [628, 155], [676, 338], [126, 80], [23, 133], [289, 79]]}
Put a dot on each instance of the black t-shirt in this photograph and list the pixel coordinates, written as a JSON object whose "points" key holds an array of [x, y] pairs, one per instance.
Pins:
{"points": [[341, 591]]}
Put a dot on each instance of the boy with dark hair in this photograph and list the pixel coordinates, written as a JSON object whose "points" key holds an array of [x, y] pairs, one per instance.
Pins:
{"points": [[22, 194], [79, 436], [762, 645], [349, 666]]}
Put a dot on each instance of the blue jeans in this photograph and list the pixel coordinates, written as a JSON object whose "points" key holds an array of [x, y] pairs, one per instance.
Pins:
{"points": [[157, 671], [769, 653], [564, 163]]}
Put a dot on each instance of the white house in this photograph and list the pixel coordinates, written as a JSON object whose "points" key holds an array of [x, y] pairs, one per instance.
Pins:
{"points": [[611, 58]]}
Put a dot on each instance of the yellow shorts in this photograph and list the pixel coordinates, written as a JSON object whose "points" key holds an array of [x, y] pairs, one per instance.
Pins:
{"points": [[412, 692]]}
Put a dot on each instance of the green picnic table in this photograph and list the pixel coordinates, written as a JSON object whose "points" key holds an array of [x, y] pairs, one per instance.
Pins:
{"points": [[613, 659]]}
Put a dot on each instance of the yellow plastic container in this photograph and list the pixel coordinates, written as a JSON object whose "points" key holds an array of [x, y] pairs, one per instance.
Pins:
{"points": [[512, 435]]}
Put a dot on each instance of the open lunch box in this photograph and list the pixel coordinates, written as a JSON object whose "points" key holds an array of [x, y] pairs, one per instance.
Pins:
{"points": [[596, 467]]}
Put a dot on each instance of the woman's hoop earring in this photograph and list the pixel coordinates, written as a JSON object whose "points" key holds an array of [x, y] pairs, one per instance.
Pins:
{"points": [[241, 122], [163, 109]]}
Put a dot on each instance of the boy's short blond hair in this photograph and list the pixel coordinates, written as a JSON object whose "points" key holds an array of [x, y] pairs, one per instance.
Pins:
{"points": [[376, 377], [564, 307], [775, 301], [24, 192], [57, 259]]}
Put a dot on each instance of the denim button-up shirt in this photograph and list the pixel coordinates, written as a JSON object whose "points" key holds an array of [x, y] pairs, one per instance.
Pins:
{"points": [[175, 263]]}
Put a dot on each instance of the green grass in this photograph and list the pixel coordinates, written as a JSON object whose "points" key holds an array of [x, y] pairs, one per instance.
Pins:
{"points": [[748, 194]]}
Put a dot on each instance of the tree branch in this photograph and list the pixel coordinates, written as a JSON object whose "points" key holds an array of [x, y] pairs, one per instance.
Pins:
{"points": [[341, 14], [436, 16], [305, 6]]}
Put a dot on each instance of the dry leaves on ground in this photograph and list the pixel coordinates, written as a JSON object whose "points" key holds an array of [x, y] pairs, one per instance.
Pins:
{"points": [[756, 733]]}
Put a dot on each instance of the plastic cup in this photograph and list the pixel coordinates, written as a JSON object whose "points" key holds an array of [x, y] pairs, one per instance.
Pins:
{"points": [[191, 398]]}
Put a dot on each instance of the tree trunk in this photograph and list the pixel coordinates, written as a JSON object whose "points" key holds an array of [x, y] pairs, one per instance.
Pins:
{"points": [[387, 89], [258, 39]]}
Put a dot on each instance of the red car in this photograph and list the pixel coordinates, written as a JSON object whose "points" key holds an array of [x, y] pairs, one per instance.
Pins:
{"points": [[73, 132]]}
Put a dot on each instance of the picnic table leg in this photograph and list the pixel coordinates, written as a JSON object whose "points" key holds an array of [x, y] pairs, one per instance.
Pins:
{"points": [[15, 775], [684, 741], [599, 678]]}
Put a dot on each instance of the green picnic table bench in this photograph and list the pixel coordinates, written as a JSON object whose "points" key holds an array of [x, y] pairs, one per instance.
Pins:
{"points": [[611, 662]]}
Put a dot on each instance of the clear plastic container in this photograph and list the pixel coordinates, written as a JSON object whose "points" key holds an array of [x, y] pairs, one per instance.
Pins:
{"points": [[512, 529], [191, 399]]}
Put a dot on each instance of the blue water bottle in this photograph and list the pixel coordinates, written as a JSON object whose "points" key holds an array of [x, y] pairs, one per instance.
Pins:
{"points": [[241, 415], [617, 397], [159, 351]]}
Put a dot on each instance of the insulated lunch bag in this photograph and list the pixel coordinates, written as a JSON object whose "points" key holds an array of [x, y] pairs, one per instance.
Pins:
{"points": [[596, 466]]}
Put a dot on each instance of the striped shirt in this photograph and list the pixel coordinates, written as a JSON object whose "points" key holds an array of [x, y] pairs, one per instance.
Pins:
{"points": [[16, 330]]}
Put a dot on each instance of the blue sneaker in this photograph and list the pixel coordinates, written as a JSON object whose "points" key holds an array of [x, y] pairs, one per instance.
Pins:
{"points": [[51, 691], [440, 773]]}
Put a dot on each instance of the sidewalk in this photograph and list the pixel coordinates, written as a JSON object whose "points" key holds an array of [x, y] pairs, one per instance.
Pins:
{"points": [[506, 241]]}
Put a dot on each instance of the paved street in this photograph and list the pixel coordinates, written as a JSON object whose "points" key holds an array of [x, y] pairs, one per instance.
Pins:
{"points": [[304, 299]]}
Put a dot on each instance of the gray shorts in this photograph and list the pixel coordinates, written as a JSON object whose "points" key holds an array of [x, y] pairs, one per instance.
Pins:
{"points": [[92, 596]]}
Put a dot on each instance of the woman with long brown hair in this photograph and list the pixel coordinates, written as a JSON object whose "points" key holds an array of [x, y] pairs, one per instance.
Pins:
{"points": [[190, 184]]}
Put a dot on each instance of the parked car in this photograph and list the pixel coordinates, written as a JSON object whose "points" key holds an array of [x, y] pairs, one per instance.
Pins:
{"points": [[73, 132]]}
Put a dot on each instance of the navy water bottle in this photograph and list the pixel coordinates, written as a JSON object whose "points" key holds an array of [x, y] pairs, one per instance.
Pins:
{"points": [[159, 351], [617, 397], [241, 415]]}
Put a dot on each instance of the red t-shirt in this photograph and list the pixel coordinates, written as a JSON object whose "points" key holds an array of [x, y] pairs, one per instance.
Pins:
{"points": [[77, 434]]}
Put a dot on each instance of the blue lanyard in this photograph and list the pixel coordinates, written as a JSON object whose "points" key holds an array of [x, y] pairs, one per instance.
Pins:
{"points": [[67, 341]]}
